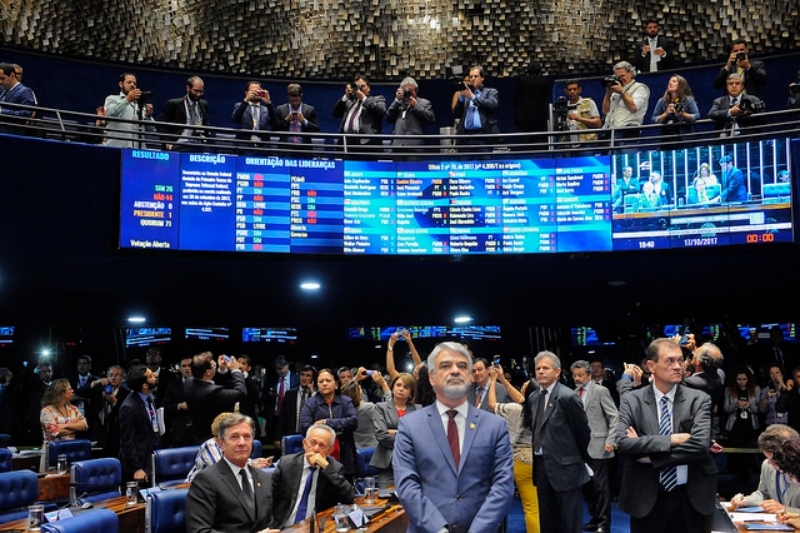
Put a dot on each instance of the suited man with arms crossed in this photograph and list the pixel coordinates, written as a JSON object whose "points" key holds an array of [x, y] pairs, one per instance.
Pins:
{"points": [[452, 462], [560, 442], [602, 416], [669, 480], [230, 496], [295, 496]]}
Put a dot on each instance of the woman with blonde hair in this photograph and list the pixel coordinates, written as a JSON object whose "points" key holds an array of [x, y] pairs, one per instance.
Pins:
{"points": [[58, 417]]}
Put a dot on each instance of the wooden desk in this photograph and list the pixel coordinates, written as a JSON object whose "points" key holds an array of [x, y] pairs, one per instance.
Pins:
{"points": [[131, 517], [26, 462], [53, 486], [394, 520]]}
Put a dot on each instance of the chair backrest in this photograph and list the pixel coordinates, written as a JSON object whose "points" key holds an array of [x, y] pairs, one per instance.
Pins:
{"points": [[18, 489], [291, 444], [172, 465], [257, 449], [364, 456], [94, 521], [166, 511], [777, 189], [5, 440], [6, 456], [75, 450], [99, 479]]}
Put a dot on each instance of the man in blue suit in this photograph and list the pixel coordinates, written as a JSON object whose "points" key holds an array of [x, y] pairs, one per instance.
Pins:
{"points": [[452, 462], [255, 113], [734, 188], [13, 92]]}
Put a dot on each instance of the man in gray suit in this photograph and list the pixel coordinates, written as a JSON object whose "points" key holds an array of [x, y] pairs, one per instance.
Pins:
{"points": [[669, 480], [477, 391], [560, 444], [409, 113], [602, 415], [775, 492]]}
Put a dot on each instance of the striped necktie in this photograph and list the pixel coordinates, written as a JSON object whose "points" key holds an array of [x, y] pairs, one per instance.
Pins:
{"points": [[668, 477]]}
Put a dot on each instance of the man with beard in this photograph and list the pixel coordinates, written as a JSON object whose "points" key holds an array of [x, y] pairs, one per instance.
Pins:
{"points": [[127, 105], [452, 462], [187, 112]]}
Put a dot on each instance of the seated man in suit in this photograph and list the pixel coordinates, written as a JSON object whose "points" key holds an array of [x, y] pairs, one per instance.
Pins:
{"points": [[452, 461], [309, 481], [775, 492], [230, 495]]}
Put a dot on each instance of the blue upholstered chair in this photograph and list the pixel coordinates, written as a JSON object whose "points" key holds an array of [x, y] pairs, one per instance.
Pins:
{"points": [[5, 440], [257, 449], [94, 521], [96, 479], [75, 450], [364, 469], [291, 444], [6, 464], [172, 465], [18, 490], [166, 511]]}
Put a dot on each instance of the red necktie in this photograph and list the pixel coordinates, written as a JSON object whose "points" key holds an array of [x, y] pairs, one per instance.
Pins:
{"points": [[352, 122], [478, 395], [452, 436], [580, 392]]}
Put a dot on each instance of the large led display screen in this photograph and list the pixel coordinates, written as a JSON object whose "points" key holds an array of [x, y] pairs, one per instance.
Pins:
{"points": [[702, 196]]}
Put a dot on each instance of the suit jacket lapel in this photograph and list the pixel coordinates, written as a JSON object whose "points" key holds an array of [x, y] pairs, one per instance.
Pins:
{"points": [[437, 430], [651, 418], [551, 401], [233, 486], [470, 431]]}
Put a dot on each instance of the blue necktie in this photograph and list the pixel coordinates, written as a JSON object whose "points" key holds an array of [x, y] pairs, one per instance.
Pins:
{"points": [[668, 477], [302, 509]]}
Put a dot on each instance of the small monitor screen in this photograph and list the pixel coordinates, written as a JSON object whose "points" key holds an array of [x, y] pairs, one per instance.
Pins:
{"points": [[277, 335], [147, 336], [6, 335], [208, 334], [585, 336]]}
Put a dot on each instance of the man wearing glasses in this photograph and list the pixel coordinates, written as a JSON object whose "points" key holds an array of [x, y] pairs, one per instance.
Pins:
{"points": [[188, 112], [476, 109]]}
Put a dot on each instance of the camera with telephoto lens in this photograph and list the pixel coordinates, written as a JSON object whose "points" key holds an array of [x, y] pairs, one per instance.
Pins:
{"points": [[610, 81], [741, 56], [560, 111], [407, 94], [751, 106]]}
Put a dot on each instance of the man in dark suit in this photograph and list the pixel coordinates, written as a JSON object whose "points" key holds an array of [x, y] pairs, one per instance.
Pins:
{"points": [[734, 188], [83, 399], [410, 114], [255, 113], [478, 390], [289, 419], [654, 51], [138, 426], [14, 92], [452, 462], [707, 360], [187, 113], [176, 410], [273, 394], [230, 495], [296, 117], [309, 481], [736, 109], [205, 399], [560, 444], [476, 108], [163, 375], [361, 113], [599, 377], [664, 431], [754, 73], [602, 417], [107, 396]]}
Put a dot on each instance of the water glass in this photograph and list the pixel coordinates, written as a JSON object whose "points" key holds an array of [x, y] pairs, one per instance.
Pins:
{"points": [[131, 488], [340, 516], [61, 466], [369, 491], [35, 517]]}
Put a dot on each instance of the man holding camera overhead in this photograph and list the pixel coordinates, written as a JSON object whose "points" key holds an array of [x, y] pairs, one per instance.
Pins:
{"points": [[361, 113], [625, 102], [753, 73], [409, 114], [255, 113], [127, 105]]}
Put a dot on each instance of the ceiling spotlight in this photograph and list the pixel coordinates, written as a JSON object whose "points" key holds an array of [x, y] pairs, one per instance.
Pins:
{"points": [[464, 319], [617, 283], [310, 286], [136, 319]]}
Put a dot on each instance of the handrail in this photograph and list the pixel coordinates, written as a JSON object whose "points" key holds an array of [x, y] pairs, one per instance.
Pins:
{"points": [[73, 126]]}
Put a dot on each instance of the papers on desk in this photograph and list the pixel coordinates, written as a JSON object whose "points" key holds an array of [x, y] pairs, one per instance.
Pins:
{"points": [[768, 527], [755, 519]]}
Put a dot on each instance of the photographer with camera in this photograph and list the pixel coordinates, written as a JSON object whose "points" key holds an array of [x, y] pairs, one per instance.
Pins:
{"points": [[753, 73], [625, 102], [361, 113], [677, 109], [253, 114], [409, 114], [127, 105], [476, 109], [736, 110], [579, 113], [296, 117]]}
